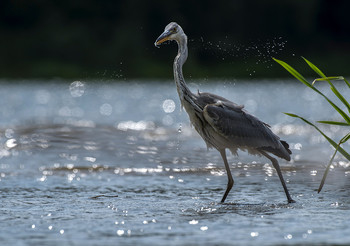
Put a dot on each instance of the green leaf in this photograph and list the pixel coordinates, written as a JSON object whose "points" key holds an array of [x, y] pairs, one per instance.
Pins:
{"points": [[327, 169], [335, 91], [345, 138], [334, 144], [293, 72], [297, 75], [334, 123], [316, 69], [347, 82], [328, 78], [341, 98], [292, 115], [341, 112]]}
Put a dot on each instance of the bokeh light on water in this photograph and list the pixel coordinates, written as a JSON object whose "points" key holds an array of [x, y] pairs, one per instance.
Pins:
{"points": [[106, 109], [77, 88], [168, 106], [92, 163]]}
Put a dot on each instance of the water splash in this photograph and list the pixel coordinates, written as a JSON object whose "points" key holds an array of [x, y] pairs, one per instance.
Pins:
{"points": [[179, 130]]}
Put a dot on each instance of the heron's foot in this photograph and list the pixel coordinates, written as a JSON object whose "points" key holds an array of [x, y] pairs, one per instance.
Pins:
{"points": [[291, 201], [222, 202], [223, 199]]}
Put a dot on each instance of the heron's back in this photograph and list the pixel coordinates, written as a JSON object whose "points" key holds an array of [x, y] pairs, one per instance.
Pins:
{"points": [[224, 124]]}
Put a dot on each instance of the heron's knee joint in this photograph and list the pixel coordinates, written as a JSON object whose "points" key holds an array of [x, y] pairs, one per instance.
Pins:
{"points": [[230, 183]]}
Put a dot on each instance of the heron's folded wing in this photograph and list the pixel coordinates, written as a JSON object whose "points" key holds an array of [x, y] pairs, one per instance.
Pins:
{"points": [[239, 127], [205, 98]]}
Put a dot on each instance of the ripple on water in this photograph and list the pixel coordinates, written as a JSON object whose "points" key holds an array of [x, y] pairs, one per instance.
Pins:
{"points": [[75, 167]]}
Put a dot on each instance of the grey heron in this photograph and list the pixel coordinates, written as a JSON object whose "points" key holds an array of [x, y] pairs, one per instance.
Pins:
{"points": [[221, 123]]}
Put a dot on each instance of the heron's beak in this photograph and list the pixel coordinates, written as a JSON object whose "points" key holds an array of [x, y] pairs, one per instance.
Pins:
{"points": [[162, 38]]}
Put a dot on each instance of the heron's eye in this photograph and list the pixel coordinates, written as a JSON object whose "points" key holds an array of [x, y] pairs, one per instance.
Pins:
{"points": [[174, 30]]}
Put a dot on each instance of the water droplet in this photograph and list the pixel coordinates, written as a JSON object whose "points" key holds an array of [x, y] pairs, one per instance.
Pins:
{"points": [[254, 234], [180, 129], [120, 232], [33, 226], [61, 231], [204, 228]]}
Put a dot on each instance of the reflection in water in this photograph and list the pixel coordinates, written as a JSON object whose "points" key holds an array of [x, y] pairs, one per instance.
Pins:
{"points": [[137, 126]]}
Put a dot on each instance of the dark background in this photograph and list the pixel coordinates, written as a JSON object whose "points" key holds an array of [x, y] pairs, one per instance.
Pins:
{"points": [[115, 39]]}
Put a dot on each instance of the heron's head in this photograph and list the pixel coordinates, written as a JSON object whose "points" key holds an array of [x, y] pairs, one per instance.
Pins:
{"points": [[172, 31]]}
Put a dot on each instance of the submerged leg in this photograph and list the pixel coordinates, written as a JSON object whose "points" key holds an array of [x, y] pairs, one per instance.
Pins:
{"points": [[229, 175], [278, 169]]}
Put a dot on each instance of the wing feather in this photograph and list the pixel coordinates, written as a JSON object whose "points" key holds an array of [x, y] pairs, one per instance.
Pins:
{"points": [[232, 127], [239, 126], [242, 129]]}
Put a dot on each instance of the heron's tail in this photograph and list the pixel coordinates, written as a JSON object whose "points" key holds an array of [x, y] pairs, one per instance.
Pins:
{"points": [[282, 152], [286, 147]]}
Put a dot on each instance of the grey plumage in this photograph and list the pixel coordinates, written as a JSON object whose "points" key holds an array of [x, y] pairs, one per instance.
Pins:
{"points": [[221, 123]]}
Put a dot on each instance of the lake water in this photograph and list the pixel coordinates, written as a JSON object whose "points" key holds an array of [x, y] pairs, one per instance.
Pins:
{"points": [[97, 163]]}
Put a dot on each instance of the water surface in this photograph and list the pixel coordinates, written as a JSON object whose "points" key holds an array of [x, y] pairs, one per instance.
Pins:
{"points": [[97, 163]]}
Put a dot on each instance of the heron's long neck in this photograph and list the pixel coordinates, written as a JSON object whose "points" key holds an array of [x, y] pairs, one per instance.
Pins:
{"points": [[180, 59]]}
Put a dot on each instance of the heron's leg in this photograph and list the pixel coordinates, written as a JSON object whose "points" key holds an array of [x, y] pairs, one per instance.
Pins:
{"points": [[278, 169], [229, 175]]}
